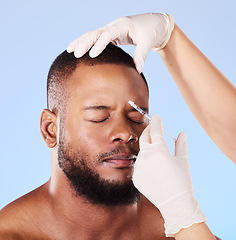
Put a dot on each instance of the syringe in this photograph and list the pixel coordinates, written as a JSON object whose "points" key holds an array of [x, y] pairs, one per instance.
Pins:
{"points": [[145, 115]]}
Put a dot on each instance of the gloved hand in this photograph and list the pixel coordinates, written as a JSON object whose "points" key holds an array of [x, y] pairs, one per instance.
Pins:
{"points": [[146, 31], [165, 179]]}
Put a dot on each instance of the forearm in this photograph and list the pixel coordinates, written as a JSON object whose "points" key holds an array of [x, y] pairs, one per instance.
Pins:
{"points": [[195, 232], [208, 93]]}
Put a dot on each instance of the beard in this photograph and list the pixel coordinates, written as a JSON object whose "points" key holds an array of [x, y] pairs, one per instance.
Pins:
{"points": [[87, 182]]}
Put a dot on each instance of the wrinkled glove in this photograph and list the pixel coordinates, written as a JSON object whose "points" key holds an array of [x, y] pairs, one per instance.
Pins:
{"points": [[146, 31], [165, 179]]}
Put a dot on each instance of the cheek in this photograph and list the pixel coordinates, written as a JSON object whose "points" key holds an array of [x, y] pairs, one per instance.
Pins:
{"points": [[86, 137], [94, 139]]}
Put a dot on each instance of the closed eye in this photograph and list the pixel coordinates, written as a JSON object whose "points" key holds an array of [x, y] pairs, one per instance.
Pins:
{"points": [[137, 122], [98, 121]]}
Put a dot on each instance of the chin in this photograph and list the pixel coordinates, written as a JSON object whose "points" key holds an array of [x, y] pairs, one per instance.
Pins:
{"points": [[121, 175]]}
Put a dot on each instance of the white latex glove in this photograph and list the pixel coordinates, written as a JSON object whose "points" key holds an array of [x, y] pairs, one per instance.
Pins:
{"points": [[165, 179], [146, 31]]}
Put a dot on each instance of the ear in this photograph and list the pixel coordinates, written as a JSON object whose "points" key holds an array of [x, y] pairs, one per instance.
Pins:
{"points": [[48, 128]]}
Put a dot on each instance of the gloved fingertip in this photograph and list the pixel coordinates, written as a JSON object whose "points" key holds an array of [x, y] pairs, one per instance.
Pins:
{"points": [[70, 48], [78, 54], [79, 51], [138, 65], [140, 56], [139, 68], [157, 119], [156, 128], [93, 52], [181, 145], [182, 137]]}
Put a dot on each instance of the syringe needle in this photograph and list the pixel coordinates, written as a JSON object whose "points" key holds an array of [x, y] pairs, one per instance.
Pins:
{"points": [[145, 115]]}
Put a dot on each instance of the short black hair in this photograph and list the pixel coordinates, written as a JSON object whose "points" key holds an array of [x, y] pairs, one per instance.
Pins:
{"points": [[66, 63]]}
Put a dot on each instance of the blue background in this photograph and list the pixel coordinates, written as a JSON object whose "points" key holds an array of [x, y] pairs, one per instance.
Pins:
{"points": [[33, 33]]}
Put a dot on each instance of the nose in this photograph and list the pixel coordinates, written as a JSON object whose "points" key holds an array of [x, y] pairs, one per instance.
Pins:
{"points": [[122, 131]]}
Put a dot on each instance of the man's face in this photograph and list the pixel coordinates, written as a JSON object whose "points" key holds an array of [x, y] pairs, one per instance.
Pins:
{"points": [[100, 131]]}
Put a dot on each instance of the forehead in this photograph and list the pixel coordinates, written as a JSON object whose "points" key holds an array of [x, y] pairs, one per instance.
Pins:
{"points": [[107, 83]]}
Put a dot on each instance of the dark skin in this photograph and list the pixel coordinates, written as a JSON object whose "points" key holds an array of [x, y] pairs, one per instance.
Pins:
{"points": [[53, 211]]}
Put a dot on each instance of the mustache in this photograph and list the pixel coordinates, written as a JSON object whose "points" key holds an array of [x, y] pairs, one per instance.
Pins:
{"points": [[116, 151]]}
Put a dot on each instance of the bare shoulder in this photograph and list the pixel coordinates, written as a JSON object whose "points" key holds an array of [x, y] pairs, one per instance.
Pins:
{"points": [[20, 217]]}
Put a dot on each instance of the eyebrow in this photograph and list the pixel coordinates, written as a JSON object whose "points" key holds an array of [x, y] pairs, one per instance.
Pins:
{"points": [[96, 107]]}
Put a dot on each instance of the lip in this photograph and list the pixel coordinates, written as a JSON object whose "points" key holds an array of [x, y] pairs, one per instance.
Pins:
{"points": [[120, 161]]}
